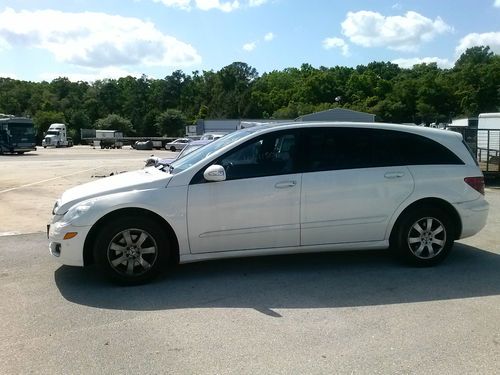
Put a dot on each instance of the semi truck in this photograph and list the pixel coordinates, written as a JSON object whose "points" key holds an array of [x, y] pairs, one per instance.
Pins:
{"points": [[17, 134], [56, 136]]}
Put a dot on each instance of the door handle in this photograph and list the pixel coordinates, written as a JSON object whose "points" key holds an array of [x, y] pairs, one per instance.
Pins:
{"points": [[394, 174], [285, 184]]}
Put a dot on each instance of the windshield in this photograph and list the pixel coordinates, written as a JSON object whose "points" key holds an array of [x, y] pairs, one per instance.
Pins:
{"points": [[201, 153], [188, 149], [21, 130], [53, 132]]}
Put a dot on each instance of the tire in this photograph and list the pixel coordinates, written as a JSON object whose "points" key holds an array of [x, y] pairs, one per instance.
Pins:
{"points": [[139, 242], [419, 245], [173, 149]]}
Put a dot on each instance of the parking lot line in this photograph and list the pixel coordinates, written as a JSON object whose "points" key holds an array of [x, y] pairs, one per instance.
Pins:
{"points": [[48, 179]]}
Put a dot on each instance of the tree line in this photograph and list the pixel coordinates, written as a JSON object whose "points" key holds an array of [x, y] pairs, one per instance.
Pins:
{"points": [[153, 107]]}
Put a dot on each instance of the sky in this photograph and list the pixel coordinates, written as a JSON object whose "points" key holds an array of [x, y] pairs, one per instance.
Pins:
{"points": [[97, 39]]}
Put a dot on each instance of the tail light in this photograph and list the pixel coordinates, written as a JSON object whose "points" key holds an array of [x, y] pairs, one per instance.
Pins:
{"points": [[477, 183]]}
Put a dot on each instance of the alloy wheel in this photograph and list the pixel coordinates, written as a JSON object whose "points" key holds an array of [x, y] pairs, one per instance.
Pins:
{"points": [[427, 238], [132, 252]]}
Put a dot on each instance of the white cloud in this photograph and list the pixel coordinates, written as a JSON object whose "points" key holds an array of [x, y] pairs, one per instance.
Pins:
{"points": [[257, 3], [402, 33], [397, 6], [268, 37], [8, 75], [249, 47], [497, 3], [91, 75], [330, 43], [222, 5], [181, 4], [94, 39], [225, 6], [485, 39], [408, 63]]}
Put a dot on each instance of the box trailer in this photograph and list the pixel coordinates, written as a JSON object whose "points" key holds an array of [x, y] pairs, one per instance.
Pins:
{"points": [[488, 127]]}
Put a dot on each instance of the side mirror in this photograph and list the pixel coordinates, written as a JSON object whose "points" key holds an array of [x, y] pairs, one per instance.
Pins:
{"points": [[215, 173]]}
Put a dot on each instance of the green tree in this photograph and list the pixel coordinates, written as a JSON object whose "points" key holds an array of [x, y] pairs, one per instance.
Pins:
{"points": [[171, 123], [115, 122], [79, 120], [476, 78]]}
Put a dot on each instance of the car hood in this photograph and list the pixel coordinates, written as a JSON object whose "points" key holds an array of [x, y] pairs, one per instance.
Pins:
{"points": [[147, 178]]}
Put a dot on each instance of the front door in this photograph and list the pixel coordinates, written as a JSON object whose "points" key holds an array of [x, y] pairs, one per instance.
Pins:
{"points": [[256, 207]]}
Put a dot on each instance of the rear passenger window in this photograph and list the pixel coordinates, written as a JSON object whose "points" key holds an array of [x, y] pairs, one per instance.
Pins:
{"points": [[337, 148], [352, 148]]}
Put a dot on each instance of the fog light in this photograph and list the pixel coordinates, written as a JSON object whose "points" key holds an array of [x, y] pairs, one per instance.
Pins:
{"points": [[70, 235], [55, 249]]}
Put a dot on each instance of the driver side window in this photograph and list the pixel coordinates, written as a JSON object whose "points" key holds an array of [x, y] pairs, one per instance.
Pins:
{"points": [[268, 155]]}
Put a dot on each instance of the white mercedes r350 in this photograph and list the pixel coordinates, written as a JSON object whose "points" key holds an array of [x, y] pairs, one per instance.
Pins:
{"points": [[278, 189]]}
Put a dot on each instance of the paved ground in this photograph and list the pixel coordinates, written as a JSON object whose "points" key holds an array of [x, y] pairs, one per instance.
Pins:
{"points": [[326, 313]]}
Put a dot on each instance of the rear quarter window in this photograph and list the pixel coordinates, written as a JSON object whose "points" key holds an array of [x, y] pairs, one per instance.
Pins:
{"points": [[402, 148]]}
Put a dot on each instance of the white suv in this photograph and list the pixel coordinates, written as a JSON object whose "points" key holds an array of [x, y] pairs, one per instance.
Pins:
{"points": [[276, 189]]}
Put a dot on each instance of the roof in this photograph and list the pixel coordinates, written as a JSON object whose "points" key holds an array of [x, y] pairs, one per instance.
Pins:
{"points": [[16, 119], [421, 130], [489, 115], [334, 111]]}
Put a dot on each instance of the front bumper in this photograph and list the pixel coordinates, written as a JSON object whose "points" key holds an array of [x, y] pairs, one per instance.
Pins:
{"points": [[67, 251], [24, 149]]}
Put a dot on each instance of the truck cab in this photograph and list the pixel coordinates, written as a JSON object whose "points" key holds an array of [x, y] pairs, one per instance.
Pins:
{"points": [[56, 136]]}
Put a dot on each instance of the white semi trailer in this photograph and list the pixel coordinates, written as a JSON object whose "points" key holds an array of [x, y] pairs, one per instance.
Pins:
{"points": [[488, 127]]}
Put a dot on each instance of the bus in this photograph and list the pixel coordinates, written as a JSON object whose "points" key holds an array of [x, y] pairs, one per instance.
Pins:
{"points": [[17, 135]]}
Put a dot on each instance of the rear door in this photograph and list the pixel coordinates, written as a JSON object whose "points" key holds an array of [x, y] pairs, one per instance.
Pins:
{"points": [[347, 195]]}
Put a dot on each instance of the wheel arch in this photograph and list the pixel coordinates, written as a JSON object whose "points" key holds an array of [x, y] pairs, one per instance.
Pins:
{"points": [[435, 203], [88, 257]]}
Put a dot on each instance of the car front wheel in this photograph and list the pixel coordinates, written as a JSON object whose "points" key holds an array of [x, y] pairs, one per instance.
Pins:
{"points": [[424, 236], [132, 250]]}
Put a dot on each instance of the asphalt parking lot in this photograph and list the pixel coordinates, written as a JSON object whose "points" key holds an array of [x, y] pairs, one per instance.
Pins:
{"points": [[358, 312]]}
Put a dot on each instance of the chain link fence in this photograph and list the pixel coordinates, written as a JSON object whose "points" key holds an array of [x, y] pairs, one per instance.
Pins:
{"points": [[485, 144]]}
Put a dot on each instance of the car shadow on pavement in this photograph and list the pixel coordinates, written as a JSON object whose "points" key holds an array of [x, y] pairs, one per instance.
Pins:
{"points": [[322, 280]]}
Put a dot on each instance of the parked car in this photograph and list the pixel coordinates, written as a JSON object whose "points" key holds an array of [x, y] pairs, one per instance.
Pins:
{"points": [[212, 136], [278, 189], [143, 145], [178, 144], [190, 147]]}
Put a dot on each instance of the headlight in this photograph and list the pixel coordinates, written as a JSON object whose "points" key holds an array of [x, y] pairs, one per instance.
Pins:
{"points": [[76, 211]]}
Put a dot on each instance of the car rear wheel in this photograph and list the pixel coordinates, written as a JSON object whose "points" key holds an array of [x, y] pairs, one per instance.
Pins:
{"points": [[132, 250], [172, 148], [424, 236]]}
